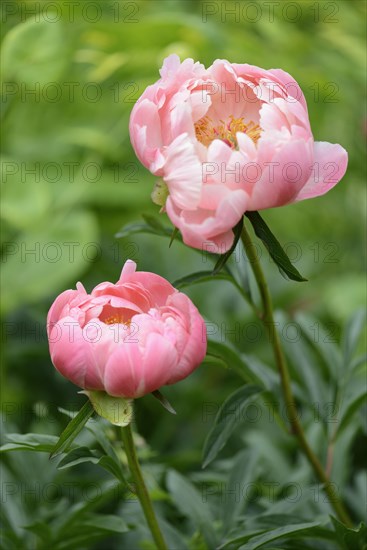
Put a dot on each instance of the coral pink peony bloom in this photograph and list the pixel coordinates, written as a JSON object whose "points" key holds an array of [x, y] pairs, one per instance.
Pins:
{"points": [[128, 338], [228, 139]]}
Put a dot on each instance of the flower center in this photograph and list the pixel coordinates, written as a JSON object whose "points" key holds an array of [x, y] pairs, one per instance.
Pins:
{"points": [[114, 319], [206, 132], [112, 316]]}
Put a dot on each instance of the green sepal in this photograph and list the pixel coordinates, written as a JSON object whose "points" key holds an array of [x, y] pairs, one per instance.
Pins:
{"points": [[117, 410]]}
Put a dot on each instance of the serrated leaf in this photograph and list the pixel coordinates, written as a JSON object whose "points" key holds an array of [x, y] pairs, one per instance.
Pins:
{"points": [[274, 247], [223, 259], [228, 418], [73, 428]]}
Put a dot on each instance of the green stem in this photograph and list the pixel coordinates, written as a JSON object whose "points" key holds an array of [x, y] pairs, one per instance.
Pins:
{"points": [[141, 488], [296, 426]]}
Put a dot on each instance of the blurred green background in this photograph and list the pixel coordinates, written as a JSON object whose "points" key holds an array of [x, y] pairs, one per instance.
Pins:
{"points": [[71, 72]]}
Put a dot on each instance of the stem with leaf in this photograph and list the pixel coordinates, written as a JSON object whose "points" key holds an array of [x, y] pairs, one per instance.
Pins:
{"points": [[141, 489], [297, 429]]}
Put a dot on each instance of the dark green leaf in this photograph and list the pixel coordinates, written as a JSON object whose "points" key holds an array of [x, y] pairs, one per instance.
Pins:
{"points": [[323, 340], [350, 539], [192, 505], [175, 232], [207, 276], [140, 227], [351, 335], [164, 401], [233, 360], [42, 530], [29, 442], [154, 222], [73, 428], [223, 259], [274, 247], [83, 454], [289, 531], [354, 395], [240, 476], [227, 419], [113, 524]]}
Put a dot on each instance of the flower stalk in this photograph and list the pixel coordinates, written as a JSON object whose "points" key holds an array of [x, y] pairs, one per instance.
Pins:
{"points": [[296, 426], [141, 489]]}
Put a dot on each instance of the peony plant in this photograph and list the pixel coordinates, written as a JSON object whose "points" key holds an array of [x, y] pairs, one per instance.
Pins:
{"points": [[224, 142]]}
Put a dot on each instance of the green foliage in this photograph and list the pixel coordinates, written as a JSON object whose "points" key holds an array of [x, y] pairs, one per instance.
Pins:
{"points": [[274, 247]]}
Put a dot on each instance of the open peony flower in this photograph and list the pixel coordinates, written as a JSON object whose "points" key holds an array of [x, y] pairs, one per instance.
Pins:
{"points": [[225, 140], [127, 339]]}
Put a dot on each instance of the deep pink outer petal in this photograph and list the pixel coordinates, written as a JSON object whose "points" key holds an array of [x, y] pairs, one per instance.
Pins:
{"points": [[330, 164], [72, 355], [132, 371], [57, 307], [195, 346]]}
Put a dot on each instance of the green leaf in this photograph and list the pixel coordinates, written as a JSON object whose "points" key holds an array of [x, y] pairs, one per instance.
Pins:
{"points": [[87, 529], [227, 419], [164, 401], [355, 539], [229, 356], [208, 276], [42, 530], [274, 247], [103, 522], [83, 454], [175, 232], [73, 428], [29, 442], [241, 474], [306, 368], [223, 259], [352, 334], [259, 540], [153, 222], [323, 340], [354, 395], [140, 227], [192, 505]]}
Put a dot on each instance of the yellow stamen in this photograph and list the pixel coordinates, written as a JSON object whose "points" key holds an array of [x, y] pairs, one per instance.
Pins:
{"points": [[206, 132], [115, 319]]}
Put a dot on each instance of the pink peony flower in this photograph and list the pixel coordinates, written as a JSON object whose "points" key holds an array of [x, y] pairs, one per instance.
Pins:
{"points": [[227, 139], [128, 338]]}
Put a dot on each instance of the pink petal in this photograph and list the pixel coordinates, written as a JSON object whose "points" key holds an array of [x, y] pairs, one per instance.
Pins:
{"points": [[183, 173], [330, 164]]}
